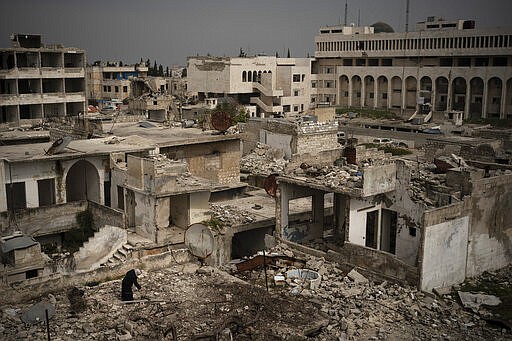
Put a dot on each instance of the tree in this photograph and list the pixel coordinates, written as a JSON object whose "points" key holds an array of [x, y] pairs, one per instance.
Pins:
{"points": [[277, 55], [167, 72], [148, 63], [155, 70], [120, 63], [288, 54], [160, 70]]}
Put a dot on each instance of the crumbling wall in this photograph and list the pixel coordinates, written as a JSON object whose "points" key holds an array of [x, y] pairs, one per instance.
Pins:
{"points": [[490, 238], [410, 215], [99, 248], [104, 215], [145, 215], [379, 179], [312, 138], [216, 161], [252, 132], [42, 221], [444, 247]]}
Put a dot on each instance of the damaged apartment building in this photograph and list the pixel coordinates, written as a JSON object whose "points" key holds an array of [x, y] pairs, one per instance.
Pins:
{"points": [[40, 81], [124, 187]]}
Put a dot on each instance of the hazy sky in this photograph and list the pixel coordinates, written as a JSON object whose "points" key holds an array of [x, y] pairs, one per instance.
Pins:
{"points": [[169, 30]]}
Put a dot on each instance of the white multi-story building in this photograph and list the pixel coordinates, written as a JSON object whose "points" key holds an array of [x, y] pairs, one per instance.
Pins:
{"points": [[39, 81], [448, 64], [274, 86]]}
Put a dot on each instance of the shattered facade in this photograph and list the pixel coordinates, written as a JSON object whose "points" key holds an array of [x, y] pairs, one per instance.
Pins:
{"points": [[40, 81]]}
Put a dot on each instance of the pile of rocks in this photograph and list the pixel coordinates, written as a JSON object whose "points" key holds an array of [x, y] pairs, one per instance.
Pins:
{"points": [[231, 215], [263, 160], [358, 308], [330, 176]]}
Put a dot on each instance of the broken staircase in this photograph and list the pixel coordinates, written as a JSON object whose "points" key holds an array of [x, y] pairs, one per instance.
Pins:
{"points": [[121, 255]]}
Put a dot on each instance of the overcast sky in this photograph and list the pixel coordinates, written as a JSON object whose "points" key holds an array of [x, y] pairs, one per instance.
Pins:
{"points": [[169, 30]]}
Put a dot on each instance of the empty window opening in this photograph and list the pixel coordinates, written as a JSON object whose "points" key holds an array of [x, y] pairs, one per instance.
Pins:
{"points": [[120, 197], [46, 192], [31, 273], [388, 231], [372, 220], [248, 243], [16, 197]]}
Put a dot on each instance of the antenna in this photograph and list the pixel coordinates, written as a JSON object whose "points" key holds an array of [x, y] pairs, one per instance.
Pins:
{"points": [[407, 16], [346, 10]]}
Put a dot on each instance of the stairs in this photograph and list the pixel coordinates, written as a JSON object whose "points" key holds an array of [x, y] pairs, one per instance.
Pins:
{"points": [[120, 255]]}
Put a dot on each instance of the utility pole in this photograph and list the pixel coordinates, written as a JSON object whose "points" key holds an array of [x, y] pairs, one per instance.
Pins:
{"points": [[407, 16], [346, 10]]}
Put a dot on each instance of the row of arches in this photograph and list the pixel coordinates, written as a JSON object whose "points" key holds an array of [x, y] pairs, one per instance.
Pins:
{"points": [[475, 96], [253, 76]]}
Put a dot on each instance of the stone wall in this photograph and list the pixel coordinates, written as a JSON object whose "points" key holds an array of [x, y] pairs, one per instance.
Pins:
{"points": [[104, 215], [216, 161], [36, 287], [42, 221]]}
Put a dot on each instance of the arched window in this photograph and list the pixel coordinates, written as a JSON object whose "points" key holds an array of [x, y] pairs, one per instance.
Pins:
{"points": [[259, 76], [249, 78], [244, 76]]}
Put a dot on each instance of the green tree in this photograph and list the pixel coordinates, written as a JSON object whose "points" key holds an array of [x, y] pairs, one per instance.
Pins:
{"points": [[160, 70]]}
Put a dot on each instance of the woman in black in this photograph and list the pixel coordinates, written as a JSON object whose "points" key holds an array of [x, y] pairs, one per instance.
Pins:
{"points": [[129, 280]]}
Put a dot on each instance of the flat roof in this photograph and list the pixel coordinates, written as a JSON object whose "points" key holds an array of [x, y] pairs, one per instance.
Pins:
{"points": [[164, 136], [75, 149]]}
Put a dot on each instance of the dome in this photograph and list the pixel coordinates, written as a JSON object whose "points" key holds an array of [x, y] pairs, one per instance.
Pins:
{"points": [[382, 27]]}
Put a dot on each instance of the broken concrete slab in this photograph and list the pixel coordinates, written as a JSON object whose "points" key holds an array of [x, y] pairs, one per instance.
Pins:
{"points": [[474, 301], [37, 313], [357, 277]]}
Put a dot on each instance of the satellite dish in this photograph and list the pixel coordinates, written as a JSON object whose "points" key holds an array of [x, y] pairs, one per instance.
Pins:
{"points": [[199, 240], [221, 121], [270, 185], [59, 145]]}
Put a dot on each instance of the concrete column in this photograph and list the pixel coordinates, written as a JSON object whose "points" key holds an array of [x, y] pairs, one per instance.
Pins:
{"points": [[404, 94], [418, 93], [32, 193], [3, 193], [449, 97], [375, 93], [484, 98], [503, 103], [467, 101], [349, 92], [363, 92], [390, 91], [379, 229], [433, 94], [318, 215]]}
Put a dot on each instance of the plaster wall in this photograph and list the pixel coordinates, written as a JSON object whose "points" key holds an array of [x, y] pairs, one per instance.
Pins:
{"points": [[179, 207], [278, 141], [444, 254], [199, 207], [145, 215], [490, 237], [357, 219], [379, 179]]}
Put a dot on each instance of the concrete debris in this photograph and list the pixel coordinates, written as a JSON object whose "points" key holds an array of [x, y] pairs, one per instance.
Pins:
{"points": [[231, 215], [474, 301], [37, 313], [360, 309], [357, 277], [330, 176], [263, 160]]}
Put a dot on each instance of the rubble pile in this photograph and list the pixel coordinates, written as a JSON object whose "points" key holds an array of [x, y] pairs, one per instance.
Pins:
{"points": [[360, 309], [263, 160], [330, 176], [191, 302], [231, 215]]}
